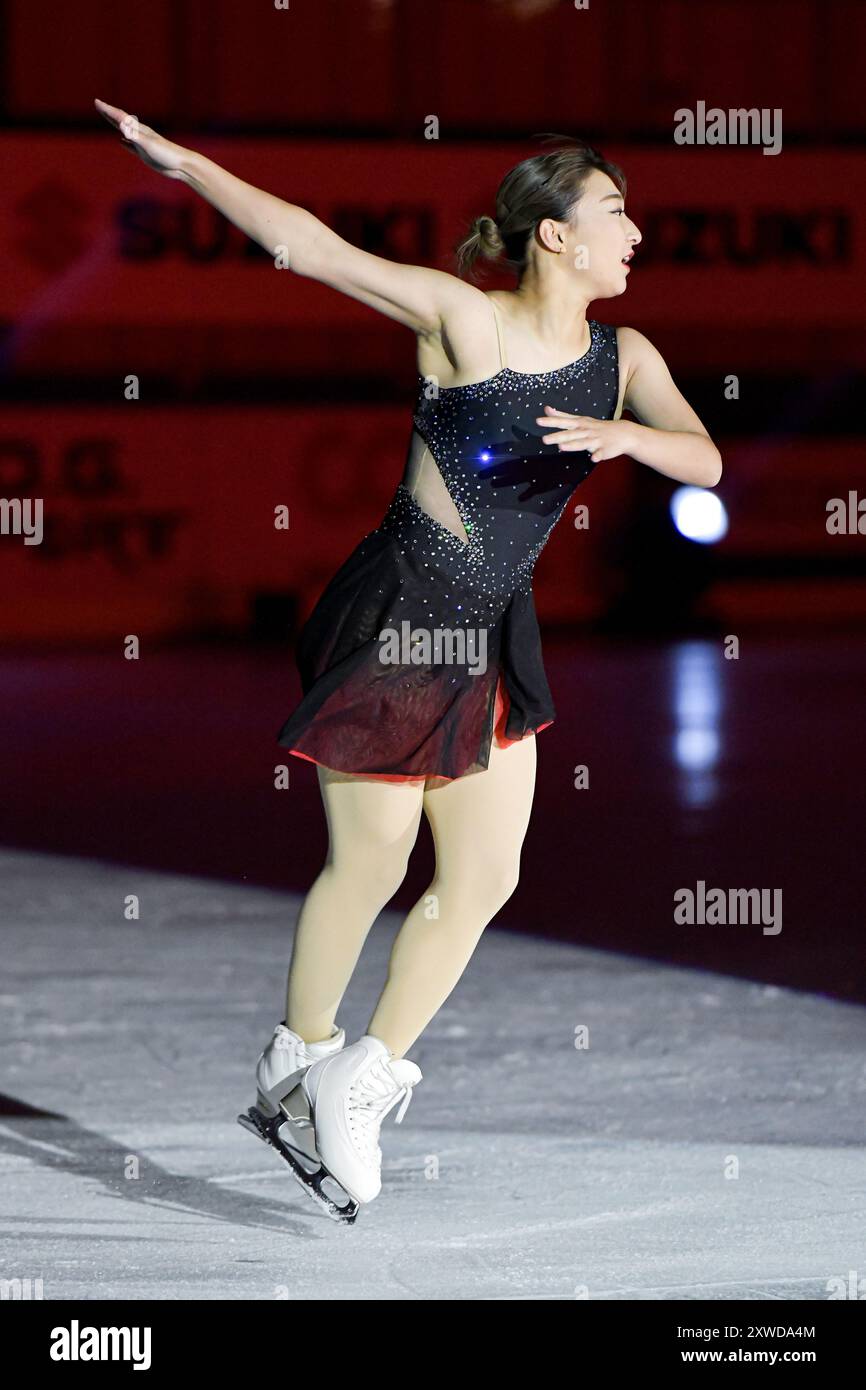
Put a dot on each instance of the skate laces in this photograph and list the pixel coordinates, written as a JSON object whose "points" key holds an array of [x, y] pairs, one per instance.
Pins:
{"points": [[375, 1094], [285, 1042]]}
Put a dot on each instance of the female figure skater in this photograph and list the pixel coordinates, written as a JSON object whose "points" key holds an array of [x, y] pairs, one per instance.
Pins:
{"points": [[423, 683]]}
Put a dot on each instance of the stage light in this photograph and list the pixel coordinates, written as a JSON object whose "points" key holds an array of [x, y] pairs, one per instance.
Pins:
{"points": [[697, 693], [699, 514]]}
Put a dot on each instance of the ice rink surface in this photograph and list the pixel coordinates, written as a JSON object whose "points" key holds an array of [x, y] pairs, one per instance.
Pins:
{"points": [[707, 1143]]}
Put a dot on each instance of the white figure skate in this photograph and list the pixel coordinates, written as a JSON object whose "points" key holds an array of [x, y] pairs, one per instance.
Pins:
{"points": [[349, 1095], [281, 1116]]}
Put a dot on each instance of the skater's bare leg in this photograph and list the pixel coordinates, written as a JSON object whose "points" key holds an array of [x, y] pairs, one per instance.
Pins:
{"points": [[478, 824], [372, 827]]}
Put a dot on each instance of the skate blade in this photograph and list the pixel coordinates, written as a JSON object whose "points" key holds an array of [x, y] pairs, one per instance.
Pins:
{"points": [[310, 1178]]}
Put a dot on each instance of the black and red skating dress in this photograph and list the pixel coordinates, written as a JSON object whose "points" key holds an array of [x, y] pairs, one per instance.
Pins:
{"points": [[383, 694]]}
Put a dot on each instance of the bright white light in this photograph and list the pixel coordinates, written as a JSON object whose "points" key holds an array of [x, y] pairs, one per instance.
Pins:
{"points": [[699, 514], [697, 749]]}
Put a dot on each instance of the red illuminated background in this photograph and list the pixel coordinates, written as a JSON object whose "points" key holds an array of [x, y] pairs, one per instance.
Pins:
{"points": [[259, 389]]}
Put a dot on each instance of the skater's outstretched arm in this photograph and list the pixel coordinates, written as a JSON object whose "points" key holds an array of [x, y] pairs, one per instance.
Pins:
{"points": [[414, 295]]}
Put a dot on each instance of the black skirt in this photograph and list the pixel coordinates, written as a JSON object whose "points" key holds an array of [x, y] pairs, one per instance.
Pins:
{"points": [[383, 705]]}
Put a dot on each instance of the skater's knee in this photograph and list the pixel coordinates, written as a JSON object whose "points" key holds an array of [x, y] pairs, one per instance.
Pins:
{"points": [[487, 882], [375, 871], [500, 877]]}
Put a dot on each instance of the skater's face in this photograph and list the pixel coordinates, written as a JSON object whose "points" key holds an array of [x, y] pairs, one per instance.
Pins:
{"points": [[598, 236]]}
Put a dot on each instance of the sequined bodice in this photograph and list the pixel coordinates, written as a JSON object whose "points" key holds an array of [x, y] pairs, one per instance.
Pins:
{"points": [[508, 488]]}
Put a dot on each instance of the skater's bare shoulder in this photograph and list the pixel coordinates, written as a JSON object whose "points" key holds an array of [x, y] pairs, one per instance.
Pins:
{"points": [[647, 389], [452, 319]]}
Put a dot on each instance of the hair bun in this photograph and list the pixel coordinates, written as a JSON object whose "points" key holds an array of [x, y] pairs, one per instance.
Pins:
{"points": [[490, 243]]}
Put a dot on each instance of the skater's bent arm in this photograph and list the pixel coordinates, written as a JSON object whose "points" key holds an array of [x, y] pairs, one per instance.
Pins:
{"points": [[414, 295], [670, 437]]}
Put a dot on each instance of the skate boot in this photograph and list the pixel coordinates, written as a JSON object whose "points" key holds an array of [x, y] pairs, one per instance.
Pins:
{"points": [[284, 1061], [349, 1095], [281, 1116]]}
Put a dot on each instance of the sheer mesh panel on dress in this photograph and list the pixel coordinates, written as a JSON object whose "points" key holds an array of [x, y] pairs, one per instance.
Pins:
{"points": [[424, 482]]}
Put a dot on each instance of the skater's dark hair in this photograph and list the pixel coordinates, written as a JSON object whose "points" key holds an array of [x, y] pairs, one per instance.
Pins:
{"points": [[545, 185]]}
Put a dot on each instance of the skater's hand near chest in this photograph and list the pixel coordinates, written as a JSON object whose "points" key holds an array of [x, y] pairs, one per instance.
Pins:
{"points": [[602, 439]]}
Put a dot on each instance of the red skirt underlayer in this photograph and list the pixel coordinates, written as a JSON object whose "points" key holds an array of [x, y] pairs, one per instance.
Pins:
{"points": [[500, 719]]}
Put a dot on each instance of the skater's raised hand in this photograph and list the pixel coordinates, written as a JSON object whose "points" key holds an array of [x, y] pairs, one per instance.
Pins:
{"points": [[153, 149]]}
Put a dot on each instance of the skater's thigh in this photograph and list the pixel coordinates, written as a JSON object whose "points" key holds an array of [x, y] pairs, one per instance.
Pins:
{"points": [[365, 813], [483, 817]]}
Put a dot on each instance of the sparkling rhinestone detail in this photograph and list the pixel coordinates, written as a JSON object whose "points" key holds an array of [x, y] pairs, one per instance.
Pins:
{"points": [[508, 488]]}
